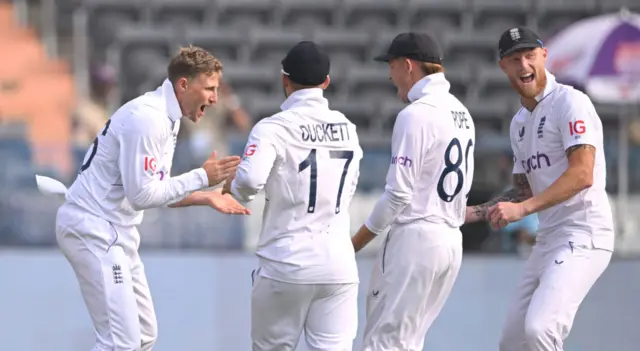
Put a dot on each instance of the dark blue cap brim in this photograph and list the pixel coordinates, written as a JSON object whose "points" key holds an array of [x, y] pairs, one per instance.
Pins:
{"points": [[384, 58], [519, 47]]}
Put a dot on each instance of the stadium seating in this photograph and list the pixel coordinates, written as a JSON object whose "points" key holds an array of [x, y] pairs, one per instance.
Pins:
{"points": [[36, 92], [251, 37]]}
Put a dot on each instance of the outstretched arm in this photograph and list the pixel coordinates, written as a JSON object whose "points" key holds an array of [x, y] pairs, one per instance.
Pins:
{"points": [[520, 192], [215, 199]]}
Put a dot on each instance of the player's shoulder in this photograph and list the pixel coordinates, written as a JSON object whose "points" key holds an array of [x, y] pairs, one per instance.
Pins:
{"points": [[519, 117], [278, 120], [140, 116], [415, 112], [271, 128], [417, 116], [569, 98]]}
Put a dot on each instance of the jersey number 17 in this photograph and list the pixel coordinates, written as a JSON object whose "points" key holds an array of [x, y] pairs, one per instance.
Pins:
{"points": [[311, 162]]}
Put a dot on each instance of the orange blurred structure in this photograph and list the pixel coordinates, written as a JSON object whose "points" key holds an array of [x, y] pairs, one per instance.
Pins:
{"points": [[36, 90]]}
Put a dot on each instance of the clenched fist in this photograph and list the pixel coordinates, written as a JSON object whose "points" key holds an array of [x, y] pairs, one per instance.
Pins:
{"points": [[504, 213], [220, 169]]}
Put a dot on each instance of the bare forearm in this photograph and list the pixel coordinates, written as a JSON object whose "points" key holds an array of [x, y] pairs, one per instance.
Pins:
{"points": [[479, 212], [520, 192], [362, 238], [198, 198], [567, 186]]}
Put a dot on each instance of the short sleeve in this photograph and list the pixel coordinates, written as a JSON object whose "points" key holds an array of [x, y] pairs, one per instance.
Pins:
{"points": [[517, 163], [579, 122]]}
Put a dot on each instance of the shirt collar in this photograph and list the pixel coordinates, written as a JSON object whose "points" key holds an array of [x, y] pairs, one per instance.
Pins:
{"points": [[431, 84], [305, 97], [169, 95], [549, 88]]}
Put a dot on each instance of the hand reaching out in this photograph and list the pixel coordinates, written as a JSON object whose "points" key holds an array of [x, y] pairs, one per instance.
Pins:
{"points": [[220, 169], [225, 203]]}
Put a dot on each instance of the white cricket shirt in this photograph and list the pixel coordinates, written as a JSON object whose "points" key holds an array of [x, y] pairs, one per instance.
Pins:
{"points": [[564, 117], [307, 159], [128, 167], [431, 168]]}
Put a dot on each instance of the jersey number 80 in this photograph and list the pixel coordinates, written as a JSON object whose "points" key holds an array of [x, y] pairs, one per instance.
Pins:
{"points": [[454, 167]]}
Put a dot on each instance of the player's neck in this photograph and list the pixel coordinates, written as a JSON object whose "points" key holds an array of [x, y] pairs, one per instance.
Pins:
{"points": [[529, 103]]}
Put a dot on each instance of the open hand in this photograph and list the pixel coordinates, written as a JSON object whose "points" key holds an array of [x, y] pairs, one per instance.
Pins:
{"points": [[226, 204], [503, 213], [220, 169]]}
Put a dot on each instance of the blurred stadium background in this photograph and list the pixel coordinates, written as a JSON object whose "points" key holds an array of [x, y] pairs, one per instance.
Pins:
{"points": [[65, 65]]}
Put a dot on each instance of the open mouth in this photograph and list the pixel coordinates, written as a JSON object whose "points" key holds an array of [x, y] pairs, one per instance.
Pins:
{"points": [[527, 78], [202, 107]]}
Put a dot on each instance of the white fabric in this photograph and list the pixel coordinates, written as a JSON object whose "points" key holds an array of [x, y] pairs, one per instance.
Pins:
{"points": [[556, 279], [412, 279], [328, 314], [431, 147], [303, 154], [131, 163], [564, 117], [112, 280]]}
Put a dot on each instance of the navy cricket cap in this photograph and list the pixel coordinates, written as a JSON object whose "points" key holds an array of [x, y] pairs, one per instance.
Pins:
{"points": [[518, 38], [416, 46], [306, 64]]}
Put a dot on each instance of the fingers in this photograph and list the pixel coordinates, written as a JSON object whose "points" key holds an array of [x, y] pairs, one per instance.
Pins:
{"points": [[236, 210], [214, 156], [491, 210], [497, 217], [233, 207], [229, 161]]}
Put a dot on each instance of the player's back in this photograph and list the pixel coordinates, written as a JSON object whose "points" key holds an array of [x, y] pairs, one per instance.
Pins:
{"points": [[445, 173], [305, 236]]}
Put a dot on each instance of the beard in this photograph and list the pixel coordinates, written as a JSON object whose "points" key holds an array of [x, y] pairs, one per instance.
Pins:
{"points": [[529, 91]]}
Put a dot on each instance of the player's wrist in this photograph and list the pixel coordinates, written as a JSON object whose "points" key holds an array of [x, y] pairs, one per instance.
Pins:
{"points": [[528, 207]]}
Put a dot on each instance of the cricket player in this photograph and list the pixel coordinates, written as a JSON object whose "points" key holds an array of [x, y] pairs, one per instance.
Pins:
{"points": [[126, 171], [307, 159], [560, 173], [424, 200]]}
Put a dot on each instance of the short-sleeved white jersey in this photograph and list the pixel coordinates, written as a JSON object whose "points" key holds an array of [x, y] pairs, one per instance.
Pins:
{"points": [[307, 159], [564, 117], [432, 166], [127, 169]]}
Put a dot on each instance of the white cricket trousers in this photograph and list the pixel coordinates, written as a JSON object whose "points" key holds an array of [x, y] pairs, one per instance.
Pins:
{"points": [[411, 281], [328, 314], [557, 277], [111, 277]]}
